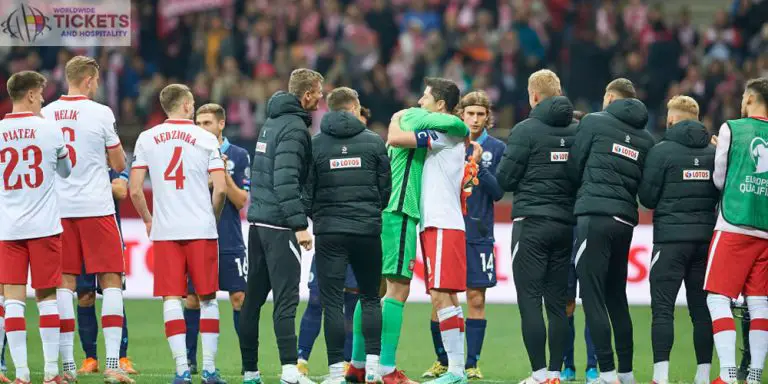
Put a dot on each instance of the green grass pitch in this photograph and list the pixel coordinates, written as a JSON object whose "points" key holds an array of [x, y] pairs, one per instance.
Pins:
{"points": [[504, 359]]}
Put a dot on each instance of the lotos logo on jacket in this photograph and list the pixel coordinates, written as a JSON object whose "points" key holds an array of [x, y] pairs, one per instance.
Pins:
{"points": [[352, 162], [696, 174], [625, 151]]}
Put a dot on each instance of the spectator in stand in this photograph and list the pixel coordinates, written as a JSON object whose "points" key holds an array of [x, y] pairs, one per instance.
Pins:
{"points": [[635, 17], [722, 40]]}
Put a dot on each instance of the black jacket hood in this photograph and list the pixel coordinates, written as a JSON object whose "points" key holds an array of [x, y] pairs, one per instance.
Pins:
{"points": [[630, 111], [284, 103], [555, 111], [341, 124], [690, 133]]}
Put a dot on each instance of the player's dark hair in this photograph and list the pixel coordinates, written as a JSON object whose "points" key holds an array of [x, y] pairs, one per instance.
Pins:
{"points": [[365, 113], [22, 82], [215, 109], [760, 87], [622, 87], [445, 90]]}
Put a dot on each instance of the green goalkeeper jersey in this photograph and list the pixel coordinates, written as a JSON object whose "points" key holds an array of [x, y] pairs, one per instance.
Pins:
{"points": [[408, 163]]}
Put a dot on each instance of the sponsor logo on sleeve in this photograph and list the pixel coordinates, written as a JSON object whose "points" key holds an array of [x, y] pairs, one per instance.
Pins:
{"points": [[696, 174], [351, 162], [261, 147], [625, 151], [558, 157]]}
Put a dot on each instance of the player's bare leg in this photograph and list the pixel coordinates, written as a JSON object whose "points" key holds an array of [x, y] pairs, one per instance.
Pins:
{"points": [[112, 326], [3, 379], [65, 300], [475, 324], [209, 330], [451, 318], [398, 290]]}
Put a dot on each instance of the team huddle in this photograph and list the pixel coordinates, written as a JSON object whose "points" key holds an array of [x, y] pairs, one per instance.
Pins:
{"points": [[576, 180]]}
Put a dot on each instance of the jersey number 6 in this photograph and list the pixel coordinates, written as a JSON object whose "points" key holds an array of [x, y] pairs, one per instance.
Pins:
{"points": [[175, 170], [69, 135]]}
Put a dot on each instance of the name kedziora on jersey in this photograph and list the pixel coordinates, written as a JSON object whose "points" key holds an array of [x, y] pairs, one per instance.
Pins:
{"points": [[174, 135]]}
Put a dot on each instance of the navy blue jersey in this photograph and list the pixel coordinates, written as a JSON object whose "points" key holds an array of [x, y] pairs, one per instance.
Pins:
{"points": [[479, 218], [230, 228]]}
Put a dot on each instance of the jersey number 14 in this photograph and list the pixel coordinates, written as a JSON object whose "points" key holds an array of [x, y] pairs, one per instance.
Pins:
{"points": [[175, 170]]}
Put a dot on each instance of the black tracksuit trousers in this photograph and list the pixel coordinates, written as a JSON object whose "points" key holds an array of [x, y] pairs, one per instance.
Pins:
{"points": [[541, 258], [603, 244], [274, 261], [671, 265], [334, 252]]}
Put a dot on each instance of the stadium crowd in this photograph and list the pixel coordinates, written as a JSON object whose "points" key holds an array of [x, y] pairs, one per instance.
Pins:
{"points": [[239, 55]]}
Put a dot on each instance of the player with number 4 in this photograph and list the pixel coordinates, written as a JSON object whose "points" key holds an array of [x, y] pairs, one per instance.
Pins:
{"points": [[179, 157], [91, 239]]}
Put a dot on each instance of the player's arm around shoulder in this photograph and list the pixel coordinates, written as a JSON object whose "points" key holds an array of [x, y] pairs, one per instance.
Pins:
{"points": [[514, 161], [654, 174], [396, 136]]}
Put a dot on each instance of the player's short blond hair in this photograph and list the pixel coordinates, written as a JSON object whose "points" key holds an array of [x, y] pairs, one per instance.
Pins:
{"points": [[476, 99], [80, 67], [22, 82], [303, 80], [684, 104], [172, 96], [216, 110], [341, 98], [545, 82]]}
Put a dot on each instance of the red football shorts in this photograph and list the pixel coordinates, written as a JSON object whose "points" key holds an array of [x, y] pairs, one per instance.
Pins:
{"points": [[737, 264], [94, 242], [177, 259], [445, 259], [41, 255]]}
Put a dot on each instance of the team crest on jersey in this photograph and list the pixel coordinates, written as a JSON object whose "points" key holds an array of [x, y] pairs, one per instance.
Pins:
{"points": [[350, 162], [261, 147], [487, 156], [696, 174], [625, 151], [230, 166], [558, 157]]}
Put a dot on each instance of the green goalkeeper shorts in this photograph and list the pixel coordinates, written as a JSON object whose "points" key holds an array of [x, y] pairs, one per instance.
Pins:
{"points": [[398, 245]]}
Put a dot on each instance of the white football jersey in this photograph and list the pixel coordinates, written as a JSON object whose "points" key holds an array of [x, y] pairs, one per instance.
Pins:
{"points": [[89, 130], [30, 147], [441, 183], [179, 156]]}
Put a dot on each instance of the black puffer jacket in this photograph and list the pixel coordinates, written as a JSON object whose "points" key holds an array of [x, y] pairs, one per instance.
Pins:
{"points": [[533, 166], [350, 179], [606, 160], [677, 183], [280, 165]]}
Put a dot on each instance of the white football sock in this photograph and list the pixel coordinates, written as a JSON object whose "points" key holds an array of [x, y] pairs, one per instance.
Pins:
{"points": [[64, 299], [724, 331], [290, 373], [49, 335], [758, 334], [176, 333], [609, 377], [371, 364], [336, 370], [702, 374], [626, 377], [2, 322], [451, 326], [209, 333], [16, 332], [540, 375], [112, 324], [661, 371]]}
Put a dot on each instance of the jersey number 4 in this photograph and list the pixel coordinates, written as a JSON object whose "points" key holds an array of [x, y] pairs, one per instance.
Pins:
{"points": [[10, 156], [175, 170]]}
